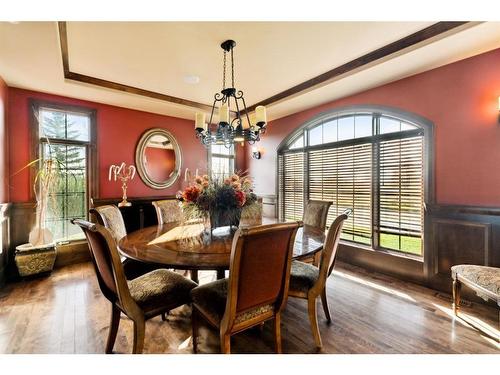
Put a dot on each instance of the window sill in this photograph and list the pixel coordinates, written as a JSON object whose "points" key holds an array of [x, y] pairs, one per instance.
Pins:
{"points": [[383, 251], [76, 241]]}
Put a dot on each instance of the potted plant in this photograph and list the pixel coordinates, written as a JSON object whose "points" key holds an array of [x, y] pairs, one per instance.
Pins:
{"points": [[219, 201], [38, 255], [45, 181]]}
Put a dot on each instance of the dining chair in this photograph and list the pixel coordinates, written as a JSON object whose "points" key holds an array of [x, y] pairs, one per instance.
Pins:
{"points": [[316, 213], [257, 287], [167, 211], [308, 281], [110, 217], [140, 299], [250, 217]]}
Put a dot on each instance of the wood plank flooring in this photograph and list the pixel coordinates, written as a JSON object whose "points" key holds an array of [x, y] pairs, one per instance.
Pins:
{"points": [[372, 313]]}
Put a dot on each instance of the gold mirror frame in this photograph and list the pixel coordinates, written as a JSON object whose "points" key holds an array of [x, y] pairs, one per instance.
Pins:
{"points": [[139, 158]]}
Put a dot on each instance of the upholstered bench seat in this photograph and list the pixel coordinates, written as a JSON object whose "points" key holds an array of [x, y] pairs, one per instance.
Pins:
{"points": [[484, 280], [159, 287], [303, 276]]}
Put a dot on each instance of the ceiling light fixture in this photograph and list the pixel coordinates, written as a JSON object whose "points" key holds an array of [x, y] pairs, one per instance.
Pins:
{"points": [[235, 125]]}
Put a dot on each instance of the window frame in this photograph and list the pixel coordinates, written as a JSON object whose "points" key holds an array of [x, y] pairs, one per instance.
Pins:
{"points": [[424, 127], [92, 170], [231, 157]]}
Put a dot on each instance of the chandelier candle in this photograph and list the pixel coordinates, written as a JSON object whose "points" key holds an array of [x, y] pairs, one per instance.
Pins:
{"points": [[234, 120], [200, 122], [260, 115]]}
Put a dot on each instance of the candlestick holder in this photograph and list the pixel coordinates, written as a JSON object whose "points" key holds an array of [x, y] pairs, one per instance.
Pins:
{"points": [[124, 174]]}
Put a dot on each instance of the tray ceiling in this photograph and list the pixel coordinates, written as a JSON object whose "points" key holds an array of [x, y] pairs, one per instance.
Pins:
{"points": [[270, 57]]}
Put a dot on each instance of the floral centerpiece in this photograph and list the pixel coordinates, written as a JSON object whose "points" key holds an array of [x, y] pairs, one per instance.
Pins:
{"points": [[219, 199]]}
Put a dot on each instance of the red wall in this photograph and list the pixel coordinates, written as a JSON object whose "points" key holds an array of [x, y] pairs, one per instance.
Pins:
{"points": [[118, 131], [461, 99], [4, 143]]}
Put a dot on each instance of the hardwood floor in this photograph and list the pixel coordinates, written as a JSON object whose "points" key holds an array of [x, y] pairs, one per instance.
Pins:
{"points": [[371, 313]]}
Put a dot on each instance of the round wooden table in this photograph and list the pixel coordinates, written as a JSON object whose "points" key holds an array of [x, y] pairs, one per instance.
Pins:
{"points": [[187, 247]]}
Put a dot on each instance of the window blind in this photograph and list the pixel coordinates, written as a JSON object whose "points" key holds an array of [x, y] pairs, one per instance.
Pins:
{"points": [[291, 184], [343, 175], [401, 194]]}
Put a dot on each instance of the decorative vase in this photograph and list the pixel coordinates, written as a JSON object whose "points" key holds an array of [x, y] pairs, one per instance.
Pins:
{"points": [[225, 218], [40, 235]]}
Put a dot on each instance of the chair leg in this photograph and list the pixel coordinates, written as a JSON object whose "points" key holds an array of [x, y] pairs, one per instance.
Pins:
{"points": [[277, 334], [139, 329], [261, 327], [194, 325], [164, 315], [225, 343], [221, 274], [324, 302], [317, 259], [113, 328], [313, 318], [194, 276], [457, 286]]}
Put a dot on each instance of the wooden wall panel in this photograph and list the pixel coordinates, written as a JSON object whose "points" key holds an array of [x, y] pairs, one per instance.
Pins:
{"points": [[460, 235], [4, 240], [22, 219], [458, 242]]}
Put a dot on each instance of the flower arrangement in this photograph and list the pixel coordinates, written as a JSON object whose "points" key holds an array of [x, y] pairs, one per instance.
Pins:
{"points": [[220, 199]]}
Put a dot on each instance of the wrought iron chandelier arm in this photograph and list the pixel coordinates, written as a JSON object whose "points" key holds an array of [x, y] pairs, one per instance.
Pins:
{"points": [[240, 96]]}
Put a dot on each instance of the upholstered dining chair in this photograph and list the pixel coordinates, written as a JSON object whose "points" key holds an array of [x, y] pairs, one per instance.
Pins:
{"points": [[316, 213], [167, 211], [309, 282], [256, 289], [140, 299], [252, 217], [110, 217]]}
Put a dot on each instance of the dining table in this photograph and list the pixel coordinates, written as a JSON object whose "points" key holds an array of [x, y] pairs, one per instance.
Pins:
{"points": [[191, 247]]}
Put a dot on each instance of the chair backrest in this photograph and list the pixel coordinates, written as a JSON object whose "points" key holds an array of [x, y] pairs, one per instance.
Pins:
{"points": [[260, 267], [106, 261], [252, 216], [111, 217], [167, 211], [316, 213], [330, 249]]}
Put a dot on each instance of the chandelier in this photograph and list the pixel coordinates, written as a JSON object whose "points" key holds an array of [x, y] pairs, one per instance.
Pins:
{"points": [[235, 124]]}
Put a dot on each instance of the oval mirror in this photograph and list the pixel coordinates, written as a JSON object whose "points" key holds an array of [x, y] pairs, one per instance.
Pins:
{"points": [[158, 158]]}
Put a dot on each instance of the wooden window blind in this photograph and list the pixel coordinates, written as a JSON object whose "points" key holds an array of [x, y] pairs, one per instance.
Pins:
{"points": [[343, 175], [377, 171], [401, 194], [291, 181]]}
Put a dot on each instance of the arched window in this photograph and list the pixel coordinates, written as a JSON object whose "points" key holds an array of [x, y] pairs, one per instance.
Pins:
{"points": [[372, 159]]}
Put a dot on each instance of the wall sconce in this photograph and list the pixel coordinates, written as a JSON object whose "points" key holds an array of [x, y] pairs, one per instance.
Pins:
{"points": [[255, 153]]}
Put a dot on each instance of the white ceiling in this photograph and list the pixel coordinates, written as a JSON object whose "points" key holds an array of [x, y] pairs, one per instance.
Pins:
{"points": [[269, 57]]}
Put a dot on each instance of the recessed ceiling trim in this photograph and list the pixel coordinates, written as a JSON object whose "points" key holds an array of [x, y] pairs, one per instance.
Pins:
{"points": [[431, 33], [68, 74], [422, 37]]}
